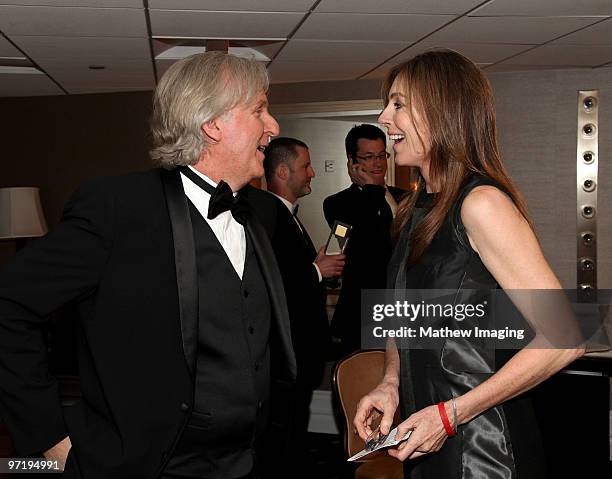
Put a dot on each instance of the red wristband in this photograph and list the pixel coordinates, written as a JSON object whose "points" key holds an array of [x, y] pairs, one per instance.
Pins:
{"points": [[442, 410]]}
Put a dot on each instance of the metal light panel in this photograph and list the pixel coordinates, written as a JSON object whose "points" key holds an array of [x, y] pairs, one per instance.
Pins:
{"points": [[587, 160]]}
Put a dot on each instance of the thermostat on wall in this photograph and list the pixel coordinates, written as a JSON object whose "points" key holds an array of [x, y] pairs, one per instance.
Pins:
{"points": [[329, 166]]}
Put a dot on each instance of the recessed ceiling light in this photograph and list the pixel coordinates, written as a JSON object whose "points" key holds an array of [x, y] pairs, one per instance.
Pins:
{"points": [[179, 52], [19, 70], [232, 39]]}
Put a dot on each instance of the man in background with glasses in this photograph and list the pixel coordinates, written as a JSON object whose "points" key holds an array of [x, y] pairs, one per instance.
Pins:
{"points": [[368, 205]]}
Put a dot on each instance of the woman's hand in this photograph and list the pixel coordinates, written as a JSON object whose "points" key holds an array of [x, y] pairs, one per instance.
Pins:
{"points": [[382, 399], [428, 434]]}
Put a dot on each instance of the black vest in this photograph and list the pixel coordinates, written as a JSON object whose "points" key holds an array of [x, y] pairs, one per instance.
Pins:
{"points": [[233, 364]]}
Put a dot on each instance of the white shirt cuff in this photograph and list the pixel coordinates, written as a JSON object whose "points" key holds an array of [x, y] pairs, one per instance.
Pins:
{"points": [[318, 272]]}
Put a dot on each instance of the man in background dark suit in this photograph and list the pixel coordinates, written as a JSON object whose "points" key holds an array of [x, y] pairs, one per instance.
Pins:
{"points": [[178, 292], [288, 174], [369, 206]]}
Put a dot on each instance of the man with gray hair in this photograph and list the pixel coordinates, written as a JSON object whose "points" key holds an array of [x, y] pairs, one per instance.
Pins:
{"points": [[178, 291]]}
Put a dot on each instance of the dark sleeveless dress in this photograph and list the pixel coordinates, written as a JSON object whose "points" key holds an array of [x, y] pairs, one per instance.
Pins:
{"points": [[503, 442]]}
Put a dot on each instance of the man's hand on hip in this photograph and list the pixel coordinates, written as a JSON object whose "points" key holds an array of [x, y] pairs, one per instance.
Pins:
{"points": [[59, 452]]}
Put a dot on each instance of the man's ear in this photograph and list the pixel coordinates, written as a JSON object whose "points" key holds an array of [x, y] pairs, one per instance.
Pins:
{"points": [[211, 131], [283, 171]]}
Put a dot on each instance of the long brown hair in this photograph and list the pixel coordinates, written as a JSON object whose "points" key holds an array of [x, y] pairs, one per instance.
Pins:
{"points": [[455, 100]]}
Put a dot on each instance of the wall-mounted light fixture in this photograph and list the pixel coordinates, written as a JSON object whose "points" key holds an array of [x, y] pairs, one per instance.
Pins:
{"points": [[586, 183]]}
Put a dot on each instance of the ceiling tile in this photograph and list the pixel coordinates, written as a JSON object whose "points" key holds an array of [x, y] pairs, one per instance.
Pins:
{"points": [[72, 22], [80, 66], [341, 39], [76, 77], [84, 48], [283, 72], [480, 53], [568, 55], [27, 85], [477, 52], [379, 73], [234, 5], [8, 50], [503, 67], [429, 7], [79, 3], [176, 23], [598, 34], [326, 51], [522, 30], [545, 8], [382, 71], [369, 27]]}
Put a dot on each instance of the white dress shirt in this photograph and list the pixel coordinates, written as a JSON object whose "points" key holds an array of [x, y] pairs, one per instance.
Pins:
{"points": [[228, 231]]}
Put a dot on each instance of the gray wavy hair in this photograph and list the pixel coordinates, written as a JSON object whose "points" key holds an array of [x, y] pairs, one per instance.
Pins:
{"points": [[193, 91]]}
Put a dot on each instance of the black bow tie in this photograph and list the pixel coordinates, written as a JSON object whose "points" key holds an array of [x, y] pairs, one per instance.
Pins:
{"points": [[221, 198]]}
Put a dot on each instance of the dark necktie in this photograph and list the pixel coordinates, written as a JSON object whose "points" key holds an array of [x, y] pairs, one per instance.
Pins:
{"points": [[221, 198], [305, 234]]}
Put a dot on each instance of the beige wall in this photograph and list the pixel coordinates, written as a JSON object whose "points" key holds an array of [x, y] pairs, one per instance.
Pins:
{"points": [[537, 132], [325, 140]]}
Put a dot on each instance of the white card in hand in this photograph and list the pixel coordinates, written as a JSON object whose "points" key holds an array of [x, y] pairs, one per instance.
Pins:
{"points": [[390, 441]]}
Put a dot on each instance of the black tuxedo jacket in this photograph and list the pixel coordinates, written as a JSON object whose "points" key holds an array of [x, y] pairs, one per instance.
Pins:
{"points": [[124, 254], [306, 296], [367, 253]]}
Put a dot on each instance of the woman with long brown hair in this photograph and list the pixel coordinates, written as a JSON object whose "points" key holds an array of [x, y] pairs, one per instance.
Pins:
{"points": [[465, 228]]}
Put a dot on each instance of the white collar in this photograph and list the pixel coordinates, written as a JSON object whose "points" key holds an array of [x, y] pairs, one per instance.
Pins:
{"points": [[206, 178], [290, 206], [203, 176]]}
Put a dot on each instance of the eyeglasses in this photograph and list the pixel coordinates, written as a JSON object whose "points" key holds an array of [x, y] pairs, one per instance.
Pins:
{"points": [[382, 157]]}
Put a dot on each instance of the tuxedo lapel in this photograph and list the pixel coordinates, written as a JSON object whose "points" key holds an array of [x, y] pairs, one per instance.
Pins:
{"points": [[272, 277], [306, 236], [185, 263]]}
